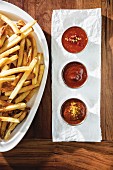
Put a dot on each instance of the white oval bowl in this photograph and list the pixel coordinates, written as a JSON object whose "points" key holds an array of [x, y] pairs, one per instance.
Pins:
{"points": [[15, 13]]}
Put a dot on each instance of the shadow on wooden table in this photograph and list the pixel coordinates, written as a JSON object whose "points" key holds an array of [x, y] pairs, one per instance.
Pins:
{"points": [[38, 152]]}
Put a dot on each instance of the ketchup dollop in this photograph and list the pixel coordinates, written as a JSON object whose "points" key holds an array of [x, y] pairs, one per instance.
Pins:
{"points": [[74, 39], [73, 111], [74, 74]]}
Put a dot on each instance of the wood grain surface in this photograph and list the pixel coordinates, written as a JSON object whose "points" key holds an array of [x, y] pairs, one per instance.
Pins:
{"points": [[36, 150]]}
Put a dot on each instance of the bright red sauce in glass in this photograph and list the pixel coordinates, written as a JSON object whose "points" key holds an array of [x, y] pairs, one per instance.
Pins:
{"points": [[74, 39], [73, 111], [74, 74]]}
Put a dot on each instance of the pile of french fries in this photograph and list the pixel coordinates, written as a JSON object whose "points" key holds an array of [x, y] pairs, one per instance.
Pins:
{"points": [[21, 72]]}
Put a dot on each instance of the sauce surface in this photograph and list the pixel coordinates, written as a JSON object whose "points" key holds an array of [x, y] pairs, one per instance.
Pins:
{"points": [[74, 39], [73, 111], [74, 74]]}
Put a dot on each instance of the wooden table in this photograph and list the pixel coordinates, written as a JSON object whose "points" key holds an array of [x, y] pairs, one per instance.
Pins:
{"points": [[36, 150]]}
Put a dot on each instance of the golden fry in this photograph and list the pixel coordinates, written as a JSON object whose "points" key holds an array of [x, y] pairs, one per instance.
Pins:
{"points": [[10, 23], [29, 56], [17, 79], [13, 107], [6, 67], [24, 63], [8, 45], [10, 51], [3, 128], [7, 60], [9, 78], [36, 69], [21, 97], [28, 44], [41, 72], [23, 29], [8, 119], [26, 83], [30, 95], [14, 70], [23, 78], [2, 39], [34, 44], [21, 53]]}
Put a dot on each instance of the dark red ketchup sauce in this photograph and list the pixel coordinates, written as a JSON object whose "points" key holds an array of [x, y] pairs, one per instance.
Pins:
{"points": [[74, 74], [73, 111], [74, 39]]}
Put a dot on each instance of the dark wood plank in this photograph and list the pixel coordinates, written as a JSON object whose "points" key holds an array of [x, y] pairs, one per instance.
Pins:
{"points": [[70, 155], [108, 72]]}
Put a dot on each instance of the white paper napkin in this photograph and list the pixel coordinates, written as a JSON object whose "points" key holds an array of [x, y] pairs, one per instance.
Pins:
{"points": [[90, 21]]}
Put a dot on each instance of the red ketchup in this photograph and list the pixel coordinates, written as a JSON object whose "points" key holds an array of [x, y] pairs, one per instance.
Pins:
{"points": [[74, 74], [74, 39], [73, 111]]}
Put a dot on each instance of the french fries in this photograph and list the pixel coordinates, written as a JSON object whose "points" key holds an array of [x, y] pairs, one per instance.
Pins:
{"points": [[10, 23], [21, 72], [8, 119], [21, 53], [10, 51], [13, 107]]}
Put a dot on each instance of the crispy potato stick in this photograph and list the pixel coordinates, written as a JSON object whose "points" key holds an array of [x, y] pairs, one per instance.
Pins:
{"points": [[13, 107], [33, 44], [23, 89], [3, 128], [2, 30], [24, 63], [26, 83], [41, 72], [15, 116], [30, 95], [23, 29], [36, 69], [29, 56], [3, 61], [2, 39], [27, 88], [23, 78], [17, 79], [14, 70], [9, 31], [10, 23], [10, 51], [6, 67], [8, 119], [8, 45], [21, 53], [7, 60], [3, 98], [21, 97], [28, 43], [9, 78], [20, 23], [12, 58], [12, 127]]}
